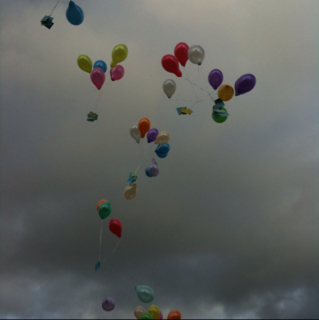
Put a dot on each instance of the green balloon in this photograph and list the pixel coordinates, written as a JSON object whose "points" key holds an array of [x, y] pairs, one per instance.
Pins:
{"points": [[220, 118], [105, 210], [146, 315]]}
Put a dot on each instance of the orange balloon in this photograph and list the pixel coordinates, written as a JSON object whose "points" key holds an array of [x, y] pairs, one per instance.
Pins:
{"points": [[175, 314], [225, 92], [144, 125], [99, 203]]}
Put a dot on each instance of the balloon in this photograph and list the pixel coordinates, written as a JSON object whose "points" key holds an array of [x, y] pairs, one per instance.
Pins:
{"points": [[151, 135], [108, 304], [105, 210], [170, 64], [119, 54], [169, 87], [147, 172], [162, 148], [196, 55], [74, 14], [162, 138], [161, 316], [85, 63], [99, 203], [153, 168], [144, 125], [117, 73], [181, 53], [146, 315], [154, 311], [100, 64], [130, 192], [145, 293], [135, 133], [98, 77], [115, 227], [138, 311], [245, 84], [225, 92], [175, 314], [162, 155], [215, 78], [220, 119]]}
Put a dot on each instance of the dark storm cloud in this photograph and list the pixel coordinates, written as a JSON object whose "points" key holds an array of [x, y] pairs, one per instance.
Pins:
{"points": [[228, 229]]}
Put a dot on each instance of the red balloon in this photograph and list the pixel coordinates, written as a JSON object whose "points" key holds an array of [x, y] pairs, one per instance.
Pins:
{"points": [[170, 64], [181, 53], [115, 226]]}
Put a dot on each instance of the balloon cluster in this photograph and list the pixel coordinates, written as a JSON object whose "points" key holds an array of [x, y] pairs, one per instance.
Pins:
{"points": [[225, 92], [119, 54], [137, 132], [104, 208], [182, 54], [196, 55], [146, 295]]}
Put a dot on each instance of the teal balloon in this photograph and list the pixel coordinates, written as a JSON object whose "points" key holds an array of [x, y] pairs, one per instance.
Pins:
{"points": [[74, 14], [145, 293], [146, 315], [100, 64], [105, 210]]}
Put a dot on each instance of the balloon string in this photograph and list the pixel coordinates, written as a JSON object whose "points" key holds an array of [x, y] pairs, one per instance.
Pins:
{"points": [[184, 100], [98, 99], [101, 231], [190, 82], [54, 8], [116, 246]]}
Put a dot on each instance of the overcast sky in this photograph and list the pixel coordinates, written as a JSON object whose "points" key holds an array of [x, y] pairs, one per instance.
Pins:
{"points": [[228, 229]]}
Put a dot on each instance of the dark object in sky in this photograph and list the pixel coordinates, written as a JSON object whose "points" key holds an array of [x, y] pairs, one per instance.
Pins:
{"points": [[47, 21], [92, 116], [218, 110], [97, 266], [183, 111]]}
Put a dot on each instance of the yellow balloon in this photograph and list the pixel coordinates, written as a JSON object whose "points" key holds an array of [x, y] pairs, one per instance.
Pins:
{"points": [[119, 54], [85, 63], [225, 92], [154, 311], [130, 192]]}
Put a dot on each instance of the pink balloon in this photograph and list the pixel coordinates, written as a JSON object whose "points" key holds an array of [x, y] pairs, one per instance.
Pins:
{"points": [[117, 72], [161, 316], [98, 77]]}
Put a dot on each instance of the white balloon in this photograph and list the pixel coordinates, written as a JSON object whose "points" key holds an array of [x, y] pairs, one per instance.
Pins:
{"points": [[135, 133], [130, 192], [196, 55], [169, 87]]}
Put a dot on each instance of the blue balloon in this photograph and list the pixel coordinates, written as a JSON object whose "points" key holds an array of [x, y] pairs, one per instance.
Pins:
{"points": [[160, 155], [147, 172], [100, 64], [162, 148], [74, 14]]}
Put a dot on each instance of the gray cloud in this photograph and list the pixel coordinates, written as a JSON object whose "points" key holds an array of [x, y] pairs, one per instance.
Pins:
{"points": [[229, 228]]}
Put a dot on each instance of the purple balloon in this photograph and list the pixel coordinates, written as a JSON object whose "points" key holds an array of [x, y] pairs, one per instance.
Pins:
{"points": [[245, 84], [215, 78], [108, 304], [151, 135], [153, 168]]}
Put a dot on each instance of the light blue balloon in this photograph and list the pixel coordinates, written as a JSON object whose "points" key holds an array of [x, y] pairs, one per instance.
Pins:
{"points": [[147, 172], [74, 14], [100, 64], [160, 155], [145, 293], [162, 148]]}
